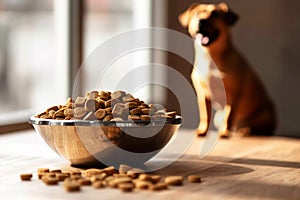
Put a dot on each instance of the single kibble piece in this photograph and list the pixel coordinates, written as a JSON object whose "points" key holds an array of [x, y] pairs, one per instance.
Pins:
{"points": [[145, 177], [62, 177], [55, 171], [104, 95], [117, 94], [107, 103], [135, 172], [92, 105], [79, 102], [133, 117], [127, 98], [41, 174], [194, 178], [117, 119], [75, 173], [120, 175], [108, 118], [71, 186], [109, 170], [69, 112], [123, 169], [92, 95], [98, 184], [100, 113], [43, 170], [51, 174], [26, 177], [158, 186], [131, 105], [92, 171], [118, 110], [119, 180], [155, 178], [174, 180], [55, 108], [99, 177], [146, 111], [142, 184], [49, 180], [145, 117], [126, 187], [84, 181], [135, 111], [79, 112]]}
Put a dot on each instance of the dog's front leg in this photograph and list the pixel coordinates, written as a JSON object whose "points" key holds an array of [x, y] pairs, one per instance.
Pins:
{"points": [[204, 103], [222, 121], [205, 114]]}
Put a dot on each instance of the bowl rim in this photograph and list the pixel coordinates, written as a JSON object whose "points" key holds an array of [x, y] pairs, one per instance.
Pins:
{"points": [[54, 122]]}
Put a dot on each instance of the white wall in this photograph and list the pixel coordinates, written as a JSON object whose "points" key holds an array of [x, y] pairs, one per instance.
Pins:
{"points": [[268, 35]]}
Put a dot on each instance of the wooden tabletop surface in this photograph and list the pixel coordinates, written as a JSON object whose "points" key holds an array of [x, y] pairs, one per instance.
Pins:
{"points": [[237, 168]]}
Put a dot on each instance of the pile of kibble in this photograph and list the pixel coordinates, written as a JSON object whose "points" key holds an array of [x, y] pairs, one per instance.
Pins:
{"points": [[126, 179], [107, 106]]}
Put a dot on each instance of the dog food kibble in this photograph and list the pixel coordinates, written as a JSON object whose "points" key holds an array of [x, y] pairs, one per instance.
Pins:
{"points": [[62, 177], [174, 180], [26, 177], [107, 106], [55, 171], [139, 184], [158, 186], [43, 170], [123, 169], [194, 178], [98, 184], [50, 180], [126, 187], [84, 181], [71, 186], [126, 179]]}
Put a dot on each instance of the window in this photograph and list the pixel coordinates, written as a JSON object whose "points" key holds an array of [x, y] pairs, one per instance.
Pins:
{"points": [[37, 48], [105, 20], [29, 79]]}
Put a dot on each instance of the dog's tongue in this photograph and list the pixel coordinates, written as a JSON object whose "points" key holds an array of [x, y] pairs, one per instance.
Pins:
{"points": [[201, 39]]}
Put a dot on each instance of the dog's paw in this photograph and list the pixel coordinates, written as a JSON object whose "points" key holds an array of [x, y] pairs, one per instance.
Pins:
{"points": [[225, 134], [201, 130], [245, 131]]}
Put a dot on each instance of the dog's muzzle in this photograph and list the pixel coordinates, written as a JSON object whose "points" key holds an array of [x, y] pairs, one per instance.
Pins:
{"points": [[208, 33]]}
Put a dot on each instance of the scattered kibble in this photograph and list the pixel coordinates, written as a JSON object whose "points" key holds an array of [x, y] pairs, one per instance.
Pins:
{"points": [[26, 177], [194, 178], [174, 180], [127, 179]]}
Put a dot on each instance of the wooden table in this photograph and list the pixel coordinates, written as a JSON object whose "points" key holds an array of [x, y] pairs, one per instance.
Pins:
{"points": [[237, 168]]}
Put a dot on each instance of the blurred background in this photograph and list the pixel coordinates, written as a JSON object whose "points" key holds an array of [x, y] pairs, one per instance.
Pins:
{"points": [[43, 43]]}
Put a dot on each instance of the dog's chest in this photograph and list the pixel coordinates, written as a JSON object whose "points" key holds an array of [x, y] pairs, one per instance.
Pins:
{"points": [[206, 77]]}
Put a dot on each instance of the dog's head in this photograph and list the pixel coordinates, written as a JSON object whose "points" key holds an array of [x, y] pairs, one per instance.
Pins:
{"points": [[208, 21]]}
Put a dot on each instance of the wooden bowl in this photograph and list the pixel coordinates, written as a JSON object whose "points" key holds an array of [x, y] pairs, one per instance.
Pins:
{"points": [[90, 143]]}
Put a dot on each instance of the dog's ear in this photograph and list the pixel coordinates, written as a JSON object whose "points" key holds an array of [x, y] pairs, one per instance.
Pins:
{"points": [[184, 18], [229, 16]]}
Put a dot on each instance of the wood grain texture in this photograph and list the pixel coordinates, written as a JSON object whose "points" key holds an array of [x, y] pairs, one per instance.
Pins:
{"points": [[237, 168]]}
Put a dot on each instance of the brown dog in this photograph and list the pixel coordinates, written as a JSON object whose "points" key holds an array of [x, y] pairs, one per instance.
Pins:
{"points": [[248, 108]]}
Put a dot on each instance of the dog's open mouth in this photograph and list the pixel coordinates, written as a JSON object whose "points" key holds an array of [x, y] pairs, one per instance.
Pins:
{"points": [[206, 40], [207, 33]]}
